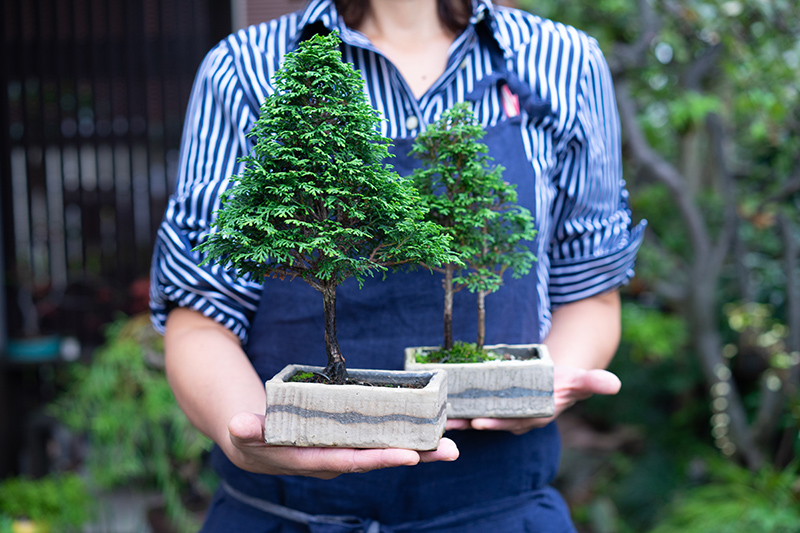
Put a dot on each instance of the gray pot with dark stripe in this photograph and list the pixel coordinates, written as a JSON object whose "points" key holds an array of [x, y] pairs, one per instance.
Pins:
{"points": [[385, 414], [518, 388]]}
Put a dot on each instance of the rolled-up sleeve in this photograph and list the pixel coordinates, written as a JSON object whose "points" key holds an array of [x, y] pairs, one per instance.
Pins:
{"points": [[214, 139], [594, 244]]}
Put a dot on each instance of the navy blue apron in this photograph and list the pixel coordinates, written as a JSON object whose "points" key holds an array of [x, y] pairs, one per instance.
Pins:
{"points": [[500, 481]]}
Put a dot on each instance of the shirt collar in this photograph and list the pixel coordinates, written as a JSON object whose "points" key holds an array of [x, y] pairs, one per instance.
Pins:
{"points": [[323, 14], [481, 9], [320, 12], [484, 12]]}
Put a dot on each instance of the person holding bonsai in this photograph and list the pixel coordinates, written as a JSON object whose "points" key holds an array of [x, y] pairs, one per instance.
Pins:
{"points": [[544, 94]]}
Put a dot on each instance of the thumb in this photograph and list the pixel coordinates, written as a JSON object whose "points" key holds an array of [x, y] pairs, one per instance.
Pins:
{"points": [[598, 381], [246, 428]]}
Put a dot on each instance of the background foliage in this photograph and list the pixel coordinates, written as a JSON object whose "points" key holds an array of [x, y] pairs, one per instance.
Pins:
{"points": [[137, 435], [708, 95], [59, 502]]}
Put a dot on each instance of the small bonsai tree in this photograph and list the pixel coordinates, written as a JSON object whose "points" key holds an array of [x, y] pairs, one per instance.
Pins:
{"points": [[499, 246], [315, 200], [478, 209]]}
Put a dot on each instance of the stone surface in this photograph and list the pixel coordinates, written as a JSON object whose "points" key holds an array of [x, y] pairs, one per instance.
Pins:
{"points": [[356, 416], [496, 389]]}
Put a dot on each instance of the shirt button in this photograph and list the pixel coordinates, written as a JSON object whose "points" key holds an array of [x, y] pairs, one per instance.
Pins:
{"points": [[412, 122]]}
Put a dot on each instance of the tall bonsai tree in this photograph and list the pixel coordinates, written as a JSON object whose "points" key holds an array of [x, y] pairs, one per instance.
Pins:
{"points": [[469, 198], [315, 200]]}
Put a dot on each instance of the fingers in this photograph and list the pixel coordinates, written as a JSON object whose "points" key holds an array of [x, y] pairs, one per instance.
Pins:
{"points": [[574, 384], [457, 423], [586, 382], [601, 382], [514, 425], [571, 385], [447, 451], [356, 461], [495, 424], [347, 461], [246, 429], [518, 426], [246, 433]]}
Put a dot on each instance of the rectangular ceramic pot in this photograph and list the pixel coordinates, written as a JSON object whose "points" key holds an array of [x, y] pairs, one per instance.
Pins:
{"points": [[357, 416], [519, 388]]}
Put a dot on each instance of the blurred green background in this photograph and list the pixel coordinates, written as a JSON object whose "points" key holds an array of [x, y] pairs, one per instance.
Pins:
{"points": [[704, 434], [706, 425]]}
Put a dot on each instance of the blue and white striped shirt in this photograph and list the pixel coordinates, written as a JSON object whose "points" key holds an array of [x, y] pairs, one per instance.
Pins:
{"points": [[585, 245]]}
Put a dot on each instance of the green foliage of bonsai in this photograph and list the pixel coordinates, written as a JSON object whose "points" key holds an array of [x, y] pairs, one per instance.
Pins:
{"points": [[315, 200], [137, 432], [55, 502], [476, 207]]}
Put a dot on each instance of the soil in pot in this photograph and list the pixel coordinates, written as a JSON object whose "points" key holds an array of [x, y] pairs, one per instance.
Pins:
{"points": [[414, 382]]}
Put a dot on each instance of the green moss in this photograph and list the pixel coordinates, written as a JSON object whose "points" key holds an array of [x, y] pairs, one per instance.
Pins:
{"points": [[301, 377], [462, 352]]}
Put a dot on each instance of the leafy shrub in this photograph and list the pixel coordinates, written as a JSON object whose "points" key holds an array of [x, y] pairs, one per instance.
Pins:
{"points": [[137, 432], [737, 501], [62, 502]]}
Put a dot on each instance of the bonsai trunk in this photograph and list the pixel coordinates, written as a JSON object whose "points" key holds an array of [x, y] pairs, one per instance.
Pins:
{"points": [[481, 319], [448, 307], [335, 370]]}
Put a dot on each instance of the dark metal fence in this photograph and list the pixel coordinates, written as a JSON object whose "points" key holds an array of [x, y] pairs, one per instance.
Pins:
{"points": [[93, 98]]}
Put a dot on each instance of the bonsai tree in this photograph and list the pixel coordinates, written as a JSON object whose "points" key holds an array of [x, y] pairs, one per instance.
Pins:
{"points": [[478, 209], [315, 200]]}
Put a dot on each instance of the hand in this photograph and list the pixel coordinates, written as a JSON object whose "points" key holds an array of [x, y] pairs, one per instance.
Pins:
{"points": [[248, 451], [571, 384]]}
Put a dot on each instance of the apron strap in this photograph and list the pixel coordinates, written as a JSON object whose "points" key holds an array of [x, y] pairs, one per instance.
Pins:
{"points": [[316, 523], [512, 89], [453, 521]]}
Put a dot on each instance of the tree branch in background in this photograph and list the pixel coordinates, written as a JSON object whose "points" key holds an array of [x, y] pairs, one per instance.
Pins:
{"points": [[792, 383], [789, 188], [658, 168], [728, 187], [627, 57], [694, 74], [673, 290], [702, 281]]}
